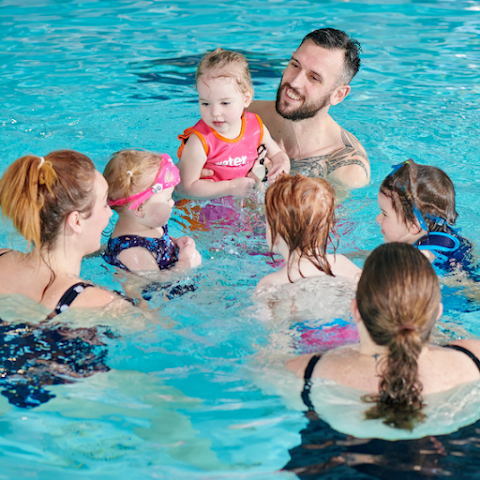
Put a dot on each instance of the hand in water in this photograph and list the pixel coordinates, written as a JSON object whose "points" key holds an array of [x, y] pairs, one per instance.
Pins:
{"points": [[242, 186], [188, 255]]}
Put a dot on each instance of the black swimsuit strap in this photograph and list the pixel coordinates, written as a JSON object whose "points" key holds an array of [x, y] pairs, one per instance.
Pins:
{"points": [[466, 352], [3, 253], [68, 297], [308, 383]]}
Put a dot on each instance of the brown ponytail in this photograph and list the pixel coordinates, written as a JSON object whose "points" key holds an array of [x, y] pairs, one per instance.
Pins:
{"points": [[38, 193], [398, 297]]}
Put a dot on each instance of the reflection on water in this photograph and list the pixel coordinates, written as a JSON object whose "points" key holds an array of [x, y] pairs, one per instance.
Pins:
{"points": [[325, 453], [32, 357]]}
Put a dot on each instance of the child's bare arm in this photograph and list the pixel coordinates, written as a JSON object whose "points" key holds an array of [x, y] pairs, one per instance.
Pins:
{"points": [[138, 259], [278, 158], [192, 186]]}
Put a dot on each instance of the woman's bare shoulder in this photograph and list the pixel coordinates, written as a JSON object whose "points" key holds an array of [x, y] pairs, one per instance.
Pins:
{"points": [[94, 297], [298, 364]]}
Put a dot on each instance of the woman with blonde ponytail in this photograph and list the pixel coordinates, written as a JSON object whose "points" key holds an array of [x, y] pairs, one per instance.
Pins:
{"points": [[395, 309], [58, 203]]}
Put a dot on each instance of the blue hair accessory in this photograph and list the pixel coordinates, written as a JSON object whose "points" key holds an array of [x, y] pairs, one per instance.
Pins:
{"points": [[397, 167], [437, 220]]}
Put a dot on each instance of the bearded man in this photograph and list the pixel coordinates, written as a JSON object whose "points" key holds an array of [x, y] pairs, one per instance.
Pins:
{"points": [[317, 77]]}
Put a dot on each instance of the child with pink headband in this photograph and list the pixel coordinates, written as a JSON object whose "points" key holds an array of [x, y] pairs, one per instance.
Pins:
{"points": [[140, 187]]}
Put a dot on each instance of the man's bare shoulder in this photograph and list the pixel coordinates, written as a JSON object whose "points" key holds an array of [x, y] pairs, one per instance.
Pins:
{"points": [[349, 164]]}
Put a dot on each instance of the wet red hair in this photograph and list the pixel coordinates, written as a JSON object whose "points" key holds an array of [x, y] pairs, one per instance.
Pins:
{"points": [[301, 211]]}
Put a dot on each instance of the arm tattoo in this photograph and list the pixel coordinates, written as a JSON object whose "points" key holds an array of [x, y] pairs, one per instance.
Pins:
{"points": [[322, 165]]}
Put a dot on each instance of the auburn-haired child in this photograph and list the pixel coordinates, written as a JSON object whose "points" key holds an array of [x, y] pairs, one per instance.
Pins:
{"points": [[417, 204], [140, 187], [227, 139], [300, 219]]}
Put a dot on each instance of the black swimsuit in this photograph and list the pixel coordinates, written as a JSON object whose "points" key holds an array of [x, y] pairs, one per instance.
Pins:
{"points": [[314, 360]]}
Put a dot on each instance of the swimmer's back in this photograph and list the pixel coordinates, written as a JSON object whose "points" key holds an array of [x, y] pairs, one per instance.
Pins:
{"points": [[440, 369]]}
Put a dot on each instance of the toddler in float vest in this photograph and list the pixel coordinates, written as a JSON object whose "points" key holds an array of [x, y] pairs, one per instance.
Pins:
{"points": [[227, 140], [300, 219], [140, 187], [417, 206]]}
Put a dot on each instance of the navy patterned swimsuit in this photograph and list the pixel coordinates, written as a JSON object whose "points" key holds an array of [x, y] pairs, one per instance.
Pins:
{"points": [[163, 249]]}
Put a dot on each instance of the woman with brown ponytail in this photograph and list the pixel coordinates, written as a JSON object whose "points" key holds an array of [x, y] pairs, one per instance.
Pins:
{"points": [[58, 203], [395, 309]]}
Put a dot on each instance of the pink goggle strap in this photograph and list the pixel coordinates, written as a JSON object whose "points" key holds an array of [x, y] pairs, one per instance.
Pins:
{"points": [[160, 184]]}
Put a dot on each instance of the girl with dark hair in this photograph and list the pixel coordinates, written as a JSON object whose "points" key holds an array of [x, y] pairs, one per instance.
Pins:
{"points": [[58, 203], [396, 306], [300, 220], [417, 204]]}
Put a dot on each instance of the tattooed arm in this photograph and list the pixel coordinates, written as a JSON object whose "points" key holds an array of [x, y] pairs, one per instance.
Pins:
{"points": [[348, 165]]}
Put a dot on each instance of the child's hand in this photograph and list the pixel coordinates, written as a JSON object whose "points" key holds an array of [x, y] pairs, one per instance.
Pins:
{"points": [[188, 255], [280, 163], [182, 242], [206, 172], [242, 186]]}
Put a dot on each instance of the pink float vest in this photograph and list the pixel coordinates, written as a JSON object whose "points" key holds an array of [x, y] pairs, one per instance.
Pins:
{"points": [[228, 159]]}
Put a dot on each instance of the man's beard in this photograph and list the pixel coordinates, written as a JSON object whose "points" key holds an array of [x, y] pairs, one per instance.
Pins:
{"points": [[304, 111]]}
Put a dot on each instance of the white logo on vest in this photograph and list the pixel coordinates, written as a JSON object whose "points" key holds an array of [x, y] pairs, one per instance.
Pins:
{"points": [[233, 162]]}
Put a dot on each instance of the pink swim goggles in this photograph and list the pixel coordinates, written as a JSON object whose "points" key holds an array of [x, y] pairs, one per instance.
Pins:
{"points": [[160, 184]]}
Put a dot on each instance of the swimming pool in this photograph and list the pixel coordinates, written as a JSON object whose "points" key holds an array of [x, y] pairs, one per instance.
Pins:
{"points": [[183, 397]]}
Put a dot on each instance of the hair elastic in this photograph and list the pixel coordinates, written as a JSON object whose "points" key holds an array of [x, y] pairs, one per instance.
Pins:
{"points": [[406, 328], [42, 161], [129, 173]]}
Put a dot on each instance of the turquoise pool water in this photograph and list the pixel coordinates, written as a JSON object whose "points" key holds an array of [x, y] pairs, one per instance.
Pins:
{"points": [[184, 396]]}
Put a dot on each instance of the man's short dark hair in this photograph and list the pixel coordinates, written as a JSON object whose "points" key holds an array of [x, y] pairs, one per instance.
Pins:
{"points": [[336, 39]]}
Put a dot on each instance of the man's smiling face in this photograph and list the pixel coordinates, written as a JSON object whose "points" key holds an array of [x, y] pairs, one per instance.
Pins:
{"points": [[311, 77]]}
